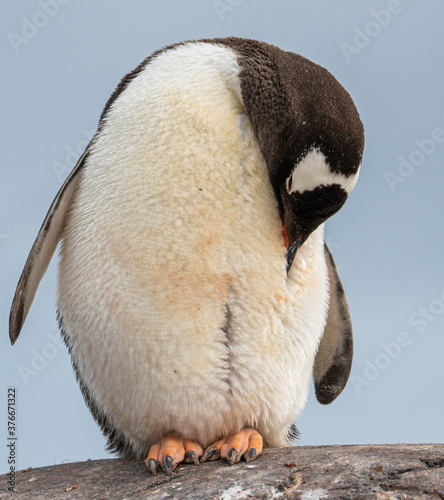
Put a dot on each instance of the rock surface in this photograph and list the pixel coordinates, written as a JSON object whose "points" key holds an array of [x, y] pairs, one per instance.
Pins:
{"points": [[403, 471]]}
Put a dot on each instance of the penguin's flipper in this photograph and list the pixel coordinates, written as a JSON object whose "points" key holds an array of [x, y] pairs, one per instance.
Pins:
{"points": [[42, 251], [334, 358]]}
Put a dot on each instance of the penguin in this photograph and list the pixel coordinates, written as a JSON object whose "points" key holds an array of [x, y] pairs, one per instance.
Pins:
{"points": [[196, 294]]}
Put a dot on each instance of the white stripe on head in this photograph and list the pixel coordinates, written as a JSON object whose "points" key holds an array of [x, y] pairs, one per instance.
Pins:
{"points": [[313, 171]]}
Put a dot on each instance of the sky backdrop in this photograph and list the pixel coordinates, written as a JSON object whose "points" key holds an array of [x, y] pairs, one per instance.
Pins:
{"points": [[61, 61]]}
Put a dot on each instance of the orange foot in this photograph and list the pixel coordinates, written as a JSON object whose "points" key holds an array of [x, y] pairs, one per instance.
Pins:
{"points": [[246, 443], [171, 451]]}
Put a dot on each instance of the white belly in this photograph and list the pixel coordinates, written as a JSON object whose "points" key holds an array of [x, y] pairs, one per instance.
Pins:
{"points": [[172, 283]]}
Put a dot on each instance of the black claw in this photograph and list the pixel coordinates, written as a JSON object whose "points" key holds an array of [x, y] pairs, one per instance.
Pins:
{"points": [[152, 466], [168, 465], [208, 454], [232, 456], [250, 455], [193, 457]]}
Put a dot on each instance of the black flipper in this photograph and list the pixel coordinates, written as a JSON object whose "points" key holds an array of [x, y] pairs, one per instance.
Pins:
{"points": [[43, 249], [334, 357]]}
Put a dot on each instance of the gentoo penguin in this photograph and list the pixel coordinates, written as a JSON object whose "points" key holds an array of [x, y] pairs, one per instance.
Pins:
{"points": [[196, 294]]}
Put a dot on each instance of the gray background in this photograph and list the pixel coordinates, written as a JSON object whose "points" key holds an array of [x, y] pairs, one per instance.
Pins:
{"points": [[387, 241]]}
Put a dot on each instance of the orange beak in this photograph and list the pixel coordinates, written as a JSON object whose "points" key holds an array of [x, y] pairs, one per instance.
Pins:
{"points": [[284, 234]]}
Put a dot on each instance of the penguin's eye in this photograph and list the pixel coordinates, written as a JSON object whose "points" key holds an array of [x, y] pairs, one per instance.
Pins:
{"points": [[289, 183]]}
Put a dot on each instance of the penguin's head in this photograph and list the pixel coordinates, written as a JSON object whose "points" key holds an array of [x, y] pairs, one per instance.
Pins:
{"points": [[309, 132], [314, 147]]}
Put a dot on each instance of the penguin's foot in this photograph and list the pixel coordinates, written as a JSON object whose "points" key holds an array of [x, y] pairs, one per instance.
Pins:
{"points": [[246, 443], [171, 451]]}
